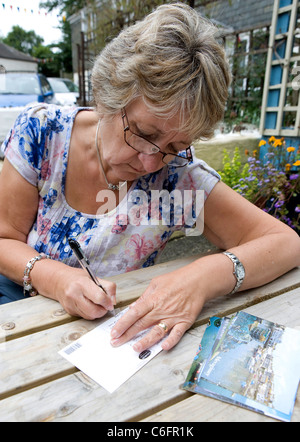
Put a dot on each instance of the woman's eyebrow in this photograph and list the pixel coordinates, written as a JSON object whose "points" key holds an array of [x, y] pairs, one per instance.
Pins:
{"points": [[161, 132], [185, 143], [149, 127]]}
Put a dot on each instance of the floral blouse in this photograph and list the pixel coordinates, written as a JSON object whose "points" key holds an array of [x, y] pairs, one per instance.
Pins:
{"points": [[127, 238]]}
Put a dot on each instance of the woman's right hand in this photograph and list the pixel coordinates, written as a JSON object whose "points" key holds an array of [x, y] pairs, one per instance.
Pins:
{"points": [[80, 296]]}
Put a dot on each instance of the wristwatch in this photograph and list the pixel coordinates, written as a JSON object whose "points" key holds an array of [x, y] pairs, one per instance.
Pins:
{"points": [[238, 271]]}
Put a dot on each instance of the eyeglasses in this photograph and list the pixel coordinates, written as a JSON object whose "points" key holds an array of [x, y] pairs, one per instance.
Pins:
{"points": [[142, 145]]}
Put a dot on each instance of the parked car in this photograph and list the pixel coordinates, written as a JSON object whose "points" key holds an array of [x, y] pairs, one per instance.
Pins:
{"points": [[66, 92], [21, 88]]}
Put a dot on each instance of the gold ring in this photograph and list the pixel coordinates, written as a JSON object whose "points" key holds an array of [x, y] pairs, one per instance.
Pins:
{"points": [[163, 326]]}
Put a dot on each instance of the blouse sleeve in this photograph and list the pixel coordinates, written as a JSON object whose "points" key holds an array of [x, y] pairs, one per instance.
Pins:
{"points": [[25, 143], [203, 177], [197, 176]]}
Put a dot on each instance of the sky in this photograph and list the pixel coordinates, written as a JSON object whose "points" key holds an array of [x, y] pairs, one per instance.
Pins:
{"points": [[43, 25]]}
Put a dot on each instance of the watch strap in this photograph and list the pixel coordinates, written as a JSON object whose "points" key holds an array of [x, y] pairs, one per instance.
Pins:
{"points": [[236, 263]]}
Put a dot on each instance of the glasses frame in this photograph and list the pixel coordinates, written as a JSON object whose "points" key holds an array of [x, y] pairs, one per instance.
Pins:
{"points": [[155, 149]]}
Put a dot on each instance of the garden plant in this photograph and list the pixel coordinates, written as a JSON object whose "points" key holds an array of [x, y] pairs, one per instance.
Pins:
{"points": [[271, 180]]}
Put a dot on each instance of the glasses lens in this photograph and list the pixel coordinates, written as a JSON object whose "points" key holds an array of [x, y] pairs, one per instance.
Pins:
{"points": [[141, 145], [175, 160], [144, 146]]}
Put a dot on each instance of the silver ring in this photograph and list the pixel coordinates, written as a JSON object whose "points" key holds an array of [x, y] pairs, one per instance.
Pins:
{"points": [[163, 326]]}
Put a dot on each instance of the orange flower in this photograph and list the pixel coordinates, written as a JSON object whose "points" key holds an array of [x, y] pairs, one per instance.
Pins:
{"points": [[262, 143], [254, 153], [297, 163], [271, 140], [291, 149], [277, 143], [287, 167]]}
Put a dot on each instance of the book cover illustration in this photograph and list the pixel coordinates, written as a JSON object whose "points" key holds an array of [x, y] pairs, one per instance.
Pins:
{"points": [[250, 362]]}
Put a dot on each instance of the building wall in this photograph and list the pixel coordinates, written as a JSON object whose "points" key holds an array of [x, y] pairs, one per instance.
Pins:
{"points": [[75, 22], [240, 14], [236, 15], [18, 65]]}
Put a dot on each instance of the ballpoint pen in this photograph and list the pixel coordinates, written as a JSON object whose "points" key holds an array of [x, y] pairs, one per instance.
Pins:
{"points": [[85, 264]]}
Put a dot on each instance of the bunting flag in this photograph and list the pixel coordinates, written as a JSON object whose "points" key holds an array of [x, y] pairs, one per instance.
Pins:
{"points": [[18, 9], [43, 60]]}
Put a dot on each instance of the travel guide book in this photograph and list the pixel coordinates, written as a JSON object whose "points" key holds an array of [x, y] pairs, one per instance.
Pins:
{"points": [[250, 362]]}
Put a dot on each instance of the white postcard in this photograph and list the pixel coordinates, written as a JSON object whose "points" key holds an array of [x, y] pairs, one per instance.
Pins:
{"points": [[94, 355]]}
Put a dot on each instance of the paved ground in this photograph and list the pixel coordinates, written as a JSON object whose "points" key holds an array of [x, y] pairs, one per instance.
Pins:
{"points": [[186, 246]]}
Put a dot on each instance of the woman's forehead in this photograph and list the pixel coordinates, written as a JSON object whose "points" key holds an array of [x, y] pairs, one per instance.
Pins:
{"points": [[138, 112]]}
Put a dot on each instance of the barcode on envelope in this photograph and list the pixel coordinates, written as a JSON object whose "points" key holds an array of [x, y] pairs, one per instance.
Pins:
{"points": [[72, 348]]}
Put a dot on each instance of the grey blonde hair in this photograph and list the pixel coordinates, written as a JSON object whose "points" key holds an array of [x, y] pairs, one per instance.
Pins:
{"points": [[173, 60]]}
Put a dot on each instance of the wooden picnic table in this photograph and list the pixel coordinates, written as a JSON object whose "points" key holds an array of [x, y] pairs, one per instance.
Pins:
{"points": [[37, 384]]}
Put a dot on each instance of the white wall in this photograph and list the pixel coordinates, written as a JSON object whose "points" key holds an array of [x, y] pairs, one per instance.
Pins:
{"points": [[18, 65]]}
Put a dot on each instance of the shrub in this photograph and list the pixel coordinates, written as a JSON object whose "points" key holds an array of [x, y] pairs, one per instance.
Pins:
{"points": [[272, 184]]}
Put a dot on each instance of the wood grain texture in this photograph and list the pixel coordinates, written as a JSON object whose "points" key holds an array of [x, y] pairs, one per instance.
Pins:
{"points": [[41, 386]]}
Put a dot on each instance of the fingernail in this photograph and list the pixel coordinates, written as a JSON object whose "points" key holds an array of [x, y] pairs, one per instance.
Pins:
{"points": [[115, 342], [165, 346], [137, 347], [114, 334]]}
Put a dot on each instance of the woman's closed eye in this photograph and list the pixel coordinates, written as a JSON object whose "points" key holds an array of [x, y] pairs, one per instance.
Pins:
{"points": [[172, 149], [153, 137], [148, 136]]}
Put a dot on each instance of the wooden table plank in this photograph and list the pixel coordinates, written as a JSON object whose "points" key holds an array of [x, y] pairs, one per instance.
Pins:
{"points": [[37, 346], [154, 388], [284, 310], [77, 398], [204, 409], [34, 359], [31, 315]]}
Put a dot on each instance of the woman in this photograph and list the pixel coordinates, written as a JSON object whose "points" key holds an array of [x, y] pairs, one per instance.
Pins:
{"points": [[158, 86]]}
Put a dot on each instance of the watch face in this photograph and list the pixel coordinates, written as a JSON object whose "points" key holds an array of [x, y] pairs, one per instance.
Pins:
{"points": [[240, 272]]}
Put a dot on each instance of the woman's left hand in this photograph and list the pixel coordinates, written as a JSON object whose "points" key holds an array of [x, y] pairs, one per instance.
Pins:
{"points": [[173, 299]]}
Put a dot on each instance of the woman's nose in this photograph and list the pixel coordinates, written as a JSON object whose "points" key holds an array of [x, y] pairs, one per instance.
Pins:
{"points": [[151, 163]]}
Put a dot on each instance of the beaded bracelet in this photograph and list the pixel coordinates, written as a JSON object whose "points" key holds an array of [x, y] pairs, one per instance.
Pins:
{"points": [[27, 287]]}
